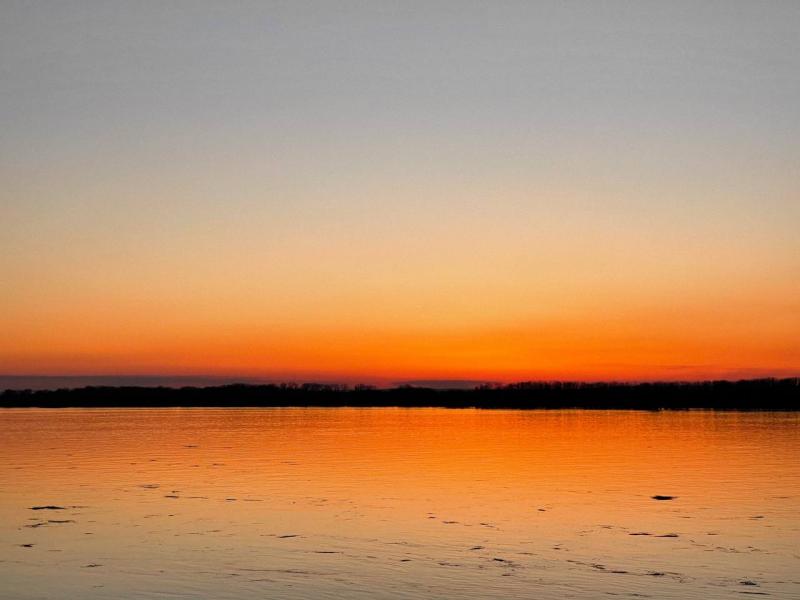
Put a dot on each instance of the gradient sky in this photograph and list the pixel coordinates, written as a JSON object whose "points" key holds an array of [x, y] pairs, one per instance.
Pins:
{"points": [[375, 191]]}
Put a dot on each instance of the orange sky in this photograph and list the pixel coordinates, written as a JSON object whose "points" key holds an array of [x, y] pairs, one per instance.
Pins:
{"points": [[369, 195], [524, 288], [363, 337]]}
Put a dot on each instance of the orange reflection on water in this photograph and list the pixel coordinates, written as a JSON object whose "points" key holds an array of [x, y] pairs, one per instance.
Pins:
{"points": [[552, 494]]}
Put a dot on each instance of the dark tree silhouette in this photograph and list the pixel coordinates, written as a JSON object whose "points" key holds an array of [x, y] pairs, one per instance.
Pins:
{"points": [[753, 394]]}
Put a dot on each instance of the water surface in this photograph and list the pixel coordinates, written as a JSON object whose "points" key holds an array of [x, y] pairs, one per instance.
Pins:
{"points": [[398, 503]]}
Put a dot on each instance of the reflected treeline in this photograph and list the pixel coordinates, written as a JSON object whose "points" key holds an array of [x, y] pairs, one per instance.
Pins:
{"points": [[753, 394]]}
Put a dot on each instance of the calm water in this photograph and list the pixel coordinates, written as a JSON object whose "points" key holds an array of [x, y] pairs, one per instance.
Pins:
{"points": [[398, 503]]}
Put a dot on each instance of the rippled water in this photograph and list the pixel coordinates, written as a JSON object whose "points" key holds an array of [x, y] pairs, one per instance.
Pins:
{"points": [[398, 503]]}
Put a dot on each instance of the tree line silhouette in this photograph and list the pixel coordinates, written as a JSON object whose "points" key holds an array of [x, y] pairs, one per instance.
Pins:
{"points": [[752, 394]]}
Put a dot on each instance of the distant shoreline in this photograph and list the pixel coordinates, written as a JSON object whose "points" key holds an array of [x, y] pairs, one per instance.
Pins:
{"points": [[743, 395]]}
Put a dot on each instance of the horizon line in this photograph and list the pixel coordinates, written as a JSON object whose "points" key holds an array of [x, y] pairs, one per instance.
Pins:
{"points": [[17, 382]]}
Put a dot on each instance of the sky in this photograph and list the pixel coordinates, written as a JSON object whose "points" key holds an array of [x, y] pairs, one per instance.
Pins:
{"points": [[388, 191]]}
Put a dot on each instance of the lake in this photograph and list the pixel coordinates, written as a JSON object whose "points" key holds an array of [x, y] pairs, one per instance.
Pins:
{"points": [[398, 503]]}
